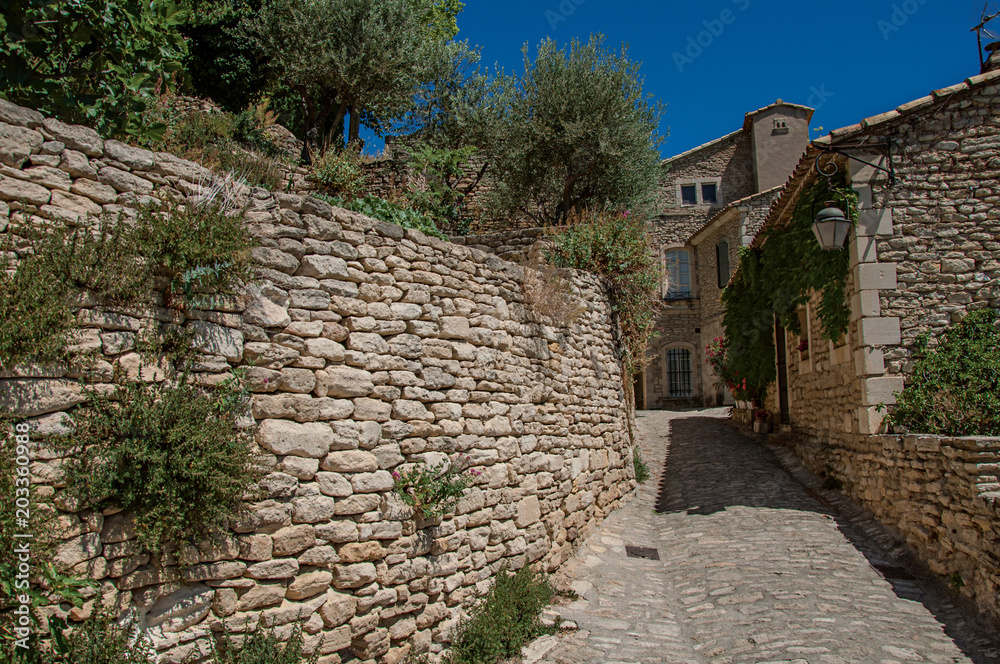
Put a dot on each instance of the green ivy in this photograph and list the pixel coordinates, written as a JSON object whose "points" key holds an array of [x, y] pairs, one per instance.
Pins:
{"points": [[954, 389], [383, 210], [776, 279]]}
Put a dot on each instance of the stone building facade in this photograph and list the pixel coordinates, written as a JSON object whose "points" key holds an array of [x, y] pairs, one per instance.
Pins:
{"points": [[925, 253], [367, 347], [711, 199]]}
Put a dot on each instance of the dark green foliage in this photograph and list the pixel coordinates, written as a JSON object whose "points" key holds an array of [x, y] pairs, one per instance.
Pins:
{"points": [[383, 210], [449, 181], [196, 247], [101, 639], [100, 259], [954, 388], [170, 453], [340, 172], [775, 280], [641, 467], [94, 62], [573, 131], [616, 248], [219, 64], [261, 647], [507, 619]]}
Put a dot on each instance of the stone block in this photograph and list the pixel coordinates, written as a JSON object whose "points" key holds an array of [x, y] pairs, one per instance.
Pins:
{"points": [[875, 222], [879, 331], [870, 420], [292, 540], [312, 509], [339, 608], [12, 189], [881, 390], [260, 597], [282, 568], [181, 609], [351, 461], [869, 362], [353, 576], [19, 115], [529, 511], [76, 137], [309, 585], [875, 276], [123, 181], [323, 267], [344, 382], [217, 340], [17, 144], [30, 397], [866, 304], [863, 249], [311, 440]]}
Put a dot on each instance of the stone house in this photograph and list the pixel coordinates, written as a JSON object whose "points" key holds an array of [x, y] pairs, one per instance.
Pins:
{"points": [[712, 200], [925, 253]]}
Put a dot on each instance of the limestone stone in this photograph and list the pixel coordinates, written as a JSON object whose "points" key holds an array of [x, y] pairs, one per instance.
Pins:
{"points": [[266, 312], [181, 609], [30, 397], [350, 461], [356, 552], [300, 407], [297, 380], [299, 467], [309, 585], [261, 596], [353, 576], [78, 550], [339, 608], [323, 267], [325, 348], [454, 327], [345, 382], [372, 410], [528, 512], [410, 410], [310, 440], [280, 485], [217, 340], [367, 342], [17, 144], [123, 181], [256, 547], [312, 509], [334, 484], [279, 568], [19, 115], [130, 156], [75, 137], [13, 189], [371, 482], [292, 540]]}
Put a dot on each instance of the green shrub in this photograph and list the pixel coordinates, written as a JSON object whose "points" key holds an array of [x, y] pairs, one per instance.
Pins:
{"points": [[507, 619], [340, 172], [37, 298], [433, 490], [170, 453], [641, 467], [615, 247], [196, 246], [954, 389], [383, 210], [102, 639], [444, 170], [196, 131], [258, 170], [262, 647]]}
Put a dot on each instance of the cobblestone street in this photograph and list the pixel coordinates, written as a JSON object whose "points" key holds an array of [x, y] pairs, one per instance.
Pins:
{"points": [[757, 563]]}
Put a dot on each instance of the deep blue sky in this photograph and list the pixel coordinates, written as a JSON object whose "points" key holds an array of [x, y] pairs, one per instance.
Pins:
{"points": [[846, 58]]}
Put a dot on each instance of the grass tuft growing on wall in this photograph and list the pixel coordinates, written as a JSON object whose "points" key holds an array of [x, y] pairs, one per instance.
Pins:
{"points": [[505, 620]]}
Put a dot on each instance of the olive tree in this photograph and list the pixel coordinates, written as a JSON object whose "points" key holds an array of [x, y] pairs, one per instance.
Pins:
{"points": [[573, 131], [359, 58]]}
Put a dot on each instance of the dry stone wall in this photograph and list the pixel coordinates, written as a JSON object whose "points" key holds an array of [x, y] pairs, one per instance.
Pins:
{"points": [[371, 347]]}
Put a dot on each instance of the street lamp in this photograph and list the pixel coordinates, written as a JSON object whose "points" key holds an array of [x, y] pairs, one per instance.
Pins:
{"points": [[831, 227]]}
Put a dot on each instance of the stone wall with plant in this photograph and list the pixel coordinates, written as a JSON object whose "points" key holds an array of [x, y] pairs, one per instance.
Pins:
{"points": [[353, 353]]}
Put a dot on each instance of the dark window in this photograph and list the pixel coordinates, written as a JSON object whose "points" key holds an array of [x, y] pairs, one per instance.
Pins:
{"points": [[678, 275], [689, 194], [709, 194], [678, 372], [722, 261]]}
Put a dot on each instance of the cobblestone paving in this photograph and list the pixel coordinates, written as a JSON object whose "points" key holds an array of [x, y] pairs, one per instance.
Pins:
{"points": [[758, 564]]}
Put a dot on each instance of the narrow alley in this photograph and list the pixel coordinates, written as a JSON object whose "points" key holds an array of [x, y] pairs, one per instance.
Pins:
{"points": [[756, 563]]}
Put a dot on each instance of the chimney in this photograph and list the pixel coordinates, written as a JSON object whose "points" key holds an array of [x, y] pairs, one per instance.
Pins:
{"points": [[993, 63]]}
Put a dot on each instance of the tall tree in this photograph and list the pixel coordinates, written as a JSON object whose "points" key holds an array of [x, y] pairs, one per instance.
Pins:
{"points": [[362, 59], [573, 131]]}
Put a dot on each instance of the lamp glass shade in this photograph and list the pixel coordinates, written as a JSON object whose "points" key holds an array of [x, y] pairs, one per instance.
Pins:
{"points": [[831, 228]]}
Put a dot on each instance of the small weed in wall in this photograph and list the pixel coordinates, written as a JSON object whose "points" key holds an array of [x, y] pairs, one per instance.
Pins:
{"points": [[432, 490], [641, 468]]}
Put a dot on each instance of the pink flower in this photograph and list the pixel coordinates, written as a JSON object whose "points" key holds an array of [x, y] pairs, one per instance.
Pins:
{"points": [[395, 475]]}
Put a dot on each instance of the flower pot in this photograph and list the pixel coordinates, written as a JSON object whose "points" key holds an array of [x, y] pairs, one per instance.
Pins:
{"points": [[761, 427]]}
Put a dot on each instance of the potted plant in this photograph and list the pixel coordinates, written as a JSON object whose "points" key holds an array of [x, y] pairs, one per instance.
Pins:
{"points": [[760, 423]]}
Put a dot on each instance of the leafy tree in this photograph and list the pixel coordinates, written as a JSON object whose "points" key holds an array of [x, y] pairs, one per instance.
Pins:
{"points": [[220, 64], [97, 62], [362, 59], [573, 131], [439, 17]]}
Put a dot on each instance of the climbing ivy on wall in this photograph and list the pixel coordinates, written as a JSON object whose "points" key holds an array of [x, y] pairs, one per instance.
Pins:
{"points": [[778, 277]]}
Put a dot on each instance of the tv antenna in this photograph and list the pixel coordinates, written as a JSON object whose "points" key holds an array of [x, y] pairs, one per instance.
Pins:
{"points": [[980, 30]]}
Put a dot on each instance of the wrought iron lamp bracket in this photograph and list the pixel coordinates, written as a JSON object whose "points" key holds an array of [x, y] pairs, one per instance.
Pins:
{"points": [[883, 148]]}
